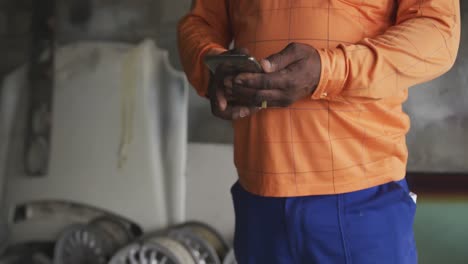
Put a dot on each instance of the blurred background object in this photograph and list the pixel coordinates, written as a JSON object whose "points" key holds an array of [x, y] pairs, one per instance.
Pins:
{"points": [[95, 148]]}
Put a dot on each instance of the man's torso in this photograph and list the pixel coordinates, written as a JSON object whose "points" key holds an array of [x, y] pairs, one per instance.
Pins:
{"points": [[317, 146]]}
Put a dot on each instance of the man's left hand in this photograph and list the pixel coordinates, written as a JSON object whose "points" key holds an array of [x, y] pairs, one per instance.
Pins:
{"points": [[290, 75]]}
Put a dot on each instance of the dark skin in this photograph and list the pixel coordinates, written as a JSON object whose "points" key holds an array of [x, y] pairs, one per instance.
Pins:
{"points": [[223, 103], [289, 75]]}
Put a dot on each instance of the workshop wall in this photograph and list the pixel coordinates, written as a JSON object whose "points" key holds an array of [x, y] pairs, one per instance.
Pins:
{"points": [[15, 20]]}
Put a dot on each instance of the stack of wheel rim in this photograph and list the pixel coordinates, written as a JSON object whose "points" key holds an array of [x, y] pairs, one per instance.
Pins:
{"points": [[190, 243], [92, 243]]}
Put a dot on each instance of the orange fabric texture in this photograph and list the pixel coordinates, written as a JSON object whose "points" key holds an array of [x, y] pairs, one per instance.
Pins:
{"points": [[350, 133]]}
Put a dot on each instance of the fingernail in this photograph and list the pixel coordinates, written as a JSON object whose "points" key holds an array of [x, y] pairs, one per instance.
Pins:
{"points": [[238, 81], [222, 106], [266, 65], [244, 113]]}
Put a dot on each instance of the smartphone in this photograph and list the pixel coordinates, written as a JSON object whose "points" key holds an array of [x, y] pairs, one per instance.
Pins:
{"points": [[234, 62]]}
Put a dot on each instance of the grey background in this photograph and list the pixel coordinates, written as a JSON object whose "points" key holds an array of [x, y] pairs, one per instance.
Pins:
{"points": [[438, 139]]}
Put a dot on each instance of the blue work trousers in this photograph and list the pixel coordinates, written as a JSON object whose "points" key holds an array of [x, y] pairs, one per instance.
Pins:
{"points": [[371, 226]]}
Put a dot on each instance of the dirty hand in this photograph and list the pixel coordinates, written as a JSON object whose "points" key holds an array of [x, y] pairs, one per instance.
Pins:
{"points": [[290, 75], [220, 92]]}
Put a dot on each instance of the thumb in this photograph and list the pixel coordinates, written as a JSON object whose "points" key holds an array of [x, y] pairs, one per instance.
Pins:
{"points": [[281, 60]]}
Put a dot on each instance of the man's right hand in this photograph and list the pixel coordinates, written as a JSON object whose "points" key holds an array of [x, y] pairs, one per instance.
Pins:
{"points": [[220, 93]]}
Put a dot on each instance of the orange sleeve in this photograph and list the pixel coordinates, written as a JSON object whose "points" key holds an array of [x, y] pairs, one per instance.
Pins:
{"points": [[421, 46], [205, 29]]}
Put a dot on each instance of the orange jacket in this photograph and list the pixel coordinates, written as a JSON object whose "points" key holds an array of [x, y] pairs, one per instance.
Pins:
{"points": [[350, 134]]}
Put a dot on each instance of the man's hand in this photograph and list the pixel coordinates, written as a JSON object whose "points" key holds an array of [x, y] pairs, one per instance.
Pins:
{"points": [[290, 75], [220, 92]]}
